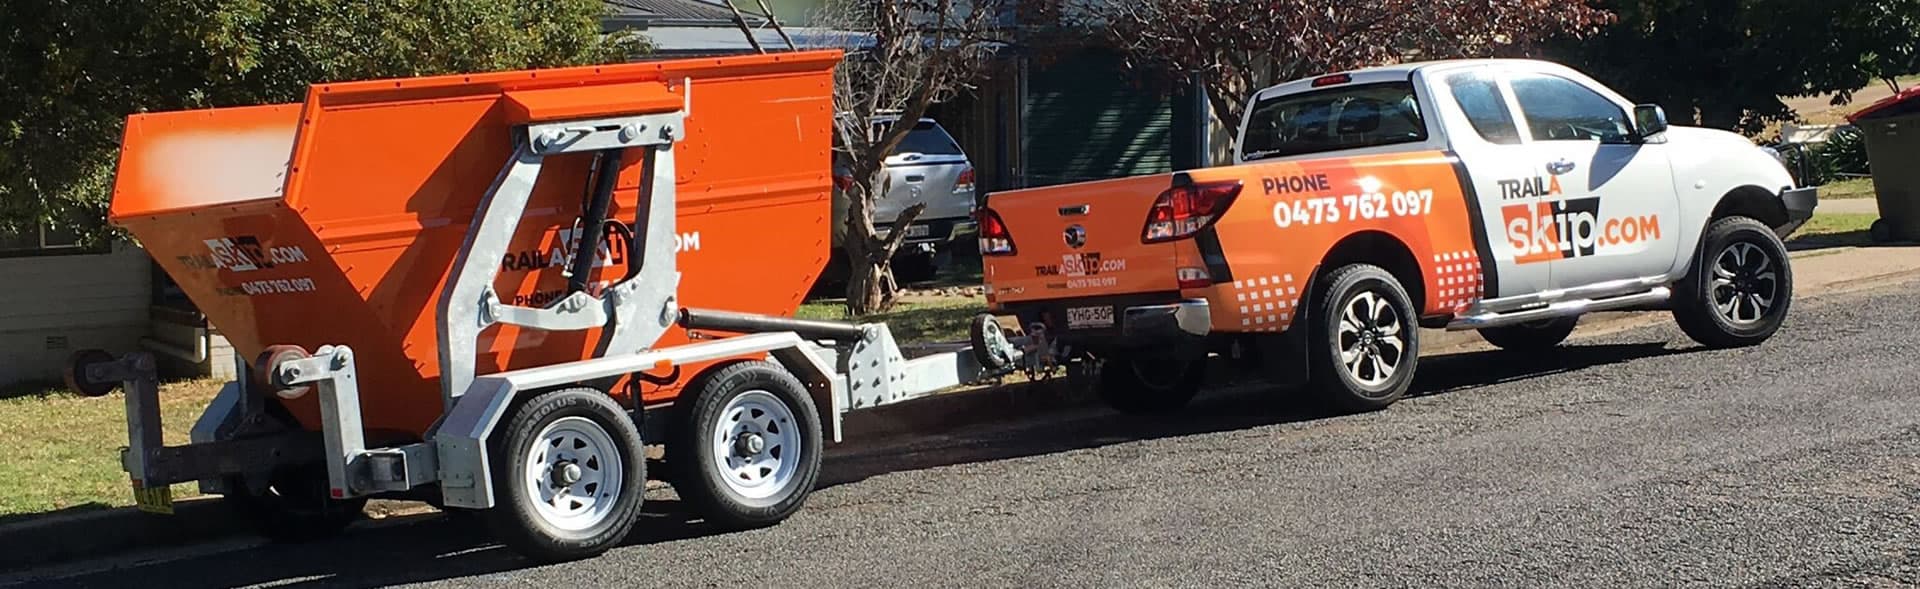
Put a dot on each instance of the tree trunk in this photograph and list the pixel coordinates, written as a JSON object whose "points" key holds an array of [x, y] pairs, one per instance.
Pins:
{"points": [[870, 286]]}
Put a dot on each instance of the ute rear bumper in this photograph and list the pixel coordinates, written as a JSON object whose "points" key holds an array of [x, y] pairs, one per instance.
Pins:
{"points": [[1123, 322]]}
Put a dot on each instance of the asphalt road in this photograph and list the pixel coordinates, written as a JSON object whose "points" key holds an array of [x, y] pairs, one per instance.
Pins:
{"points": [[1632, 459]]}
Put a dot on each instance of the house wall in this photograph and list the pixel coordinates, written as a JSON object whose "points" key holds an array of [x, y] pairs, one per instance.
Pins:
{"points": [[53, 305]]}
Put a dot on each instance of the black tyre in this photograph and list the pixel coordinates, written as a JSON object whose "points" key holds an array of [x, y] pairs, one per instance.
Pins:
{"points": [[1738, 287], [295, 505], [1533, 336], [569, 475], [915, 268], [75, 372], [746, 445], [1149, 383], [1364, 342]]}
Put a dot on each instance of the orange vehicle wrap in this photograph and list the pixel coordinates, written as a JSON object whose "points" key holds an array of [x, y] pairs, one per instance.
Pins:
{"points": [[337, 221], [1286, 219]]}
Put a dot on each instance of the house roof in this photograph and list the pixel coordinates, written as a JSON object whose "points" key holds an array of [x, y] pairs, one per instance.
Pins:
{"points": [[675, 12]]}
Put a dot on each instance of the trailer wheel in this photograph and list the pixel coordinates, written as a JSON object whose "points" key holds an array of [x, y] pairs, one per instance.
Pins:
{"points": [[1145, 384], [1364, 342], [294, 506], [746, 448], [569, 478]]}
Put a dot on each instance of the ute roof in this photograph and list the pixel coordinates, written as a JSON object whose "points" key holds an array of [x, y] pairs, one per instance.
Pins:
{"points": [[1384, 73]]}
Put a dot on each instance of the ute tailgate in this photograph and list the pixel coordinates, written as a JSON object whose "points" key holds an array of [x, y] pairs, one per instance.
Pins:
{"points": [[1080, 241]]}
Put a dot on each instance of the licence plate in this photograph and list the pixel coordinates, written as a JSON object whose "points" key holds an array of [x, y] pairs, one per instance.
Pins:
{"points": [[1090, 317], [919, 231], [153, 500]]}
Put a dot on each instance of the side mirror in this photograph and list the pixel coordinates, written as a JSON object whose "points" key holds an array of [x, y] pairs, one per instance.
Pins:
{"points": [[1649, 120]]}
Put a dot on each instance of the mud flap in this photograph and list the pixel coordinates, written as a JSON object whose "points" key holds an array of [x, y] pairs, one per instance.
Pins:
{"points": [[1284, 356]]}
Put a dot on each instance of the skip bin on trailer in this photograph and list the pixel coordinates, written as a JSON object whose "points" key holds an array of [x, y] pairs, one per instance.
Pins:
{"points": [[489, 291]]}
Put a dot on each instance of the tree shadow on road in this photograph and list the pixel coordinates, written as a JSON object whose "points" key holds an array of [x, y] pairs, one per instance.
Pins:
{"points": [[442, 547]]}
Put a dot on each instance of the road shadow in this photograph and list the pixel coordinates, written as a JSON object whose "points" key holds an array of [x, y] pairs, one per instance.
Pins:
{"points": [[440, 547], [1231, 408]]}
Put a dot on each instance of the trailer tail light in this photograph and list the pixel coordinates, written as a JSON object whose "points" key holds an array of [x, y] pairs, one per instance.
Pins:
{"points": [[995, 240], [1193, 278], [1182, 211], [965, 182]]}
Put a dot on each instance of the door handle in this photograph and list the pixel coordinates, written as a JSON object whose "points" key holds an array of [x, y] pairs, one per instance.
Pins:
{"points": [[1559, 167]]}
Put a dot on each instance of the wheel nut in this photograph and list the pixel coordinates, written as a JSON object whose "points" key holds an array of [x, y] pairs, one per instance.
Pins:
{"points": [[566, 474]]}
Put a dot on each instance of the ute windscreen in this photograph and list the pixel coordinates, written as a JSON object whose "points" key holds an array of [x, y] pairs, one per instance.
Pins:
{"points": [[1335, 119]]}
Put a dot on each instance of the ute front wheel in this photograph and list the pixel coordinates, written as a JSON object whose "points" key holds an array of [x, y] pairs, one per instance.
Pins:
{"points": [[568, 477], [1737, 292], [746, 445]]}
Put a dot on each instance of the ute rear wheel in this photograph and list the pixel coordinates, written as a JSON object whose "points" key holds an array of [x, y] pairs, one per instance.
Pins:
{"points": [[1739, 286], [1140, 383], [1364, 341], [1532, 336], [746, 445], [569, 476]]}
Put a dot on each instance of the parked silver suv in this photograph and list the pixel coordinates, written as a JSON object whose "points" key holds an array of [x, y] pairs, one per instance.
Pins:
{"points": [[927, 167]]}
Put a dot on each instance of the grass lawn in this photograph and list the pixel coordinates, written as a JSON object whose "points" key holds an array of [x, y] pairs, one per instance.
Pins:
{"points": [[1833, 230], [63, 450], [1847, 189], [917, 319]]}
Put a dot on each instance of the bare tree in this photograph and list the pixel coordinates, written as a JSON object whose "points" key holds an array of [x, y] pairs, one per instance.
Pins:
{"points": [[1239, 46], [903, 56]]}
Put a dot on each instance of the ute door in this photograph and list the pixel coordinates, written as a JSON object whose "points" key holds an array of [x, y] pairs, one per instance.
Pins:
{"points": [[1612, 207], [1484, 135]]}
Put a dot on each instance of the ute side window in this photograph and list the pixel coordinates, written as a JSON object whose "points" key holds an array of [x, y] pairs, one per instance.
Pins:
{"points": [[1335, 119], [1558, 109], [1479, 97]]}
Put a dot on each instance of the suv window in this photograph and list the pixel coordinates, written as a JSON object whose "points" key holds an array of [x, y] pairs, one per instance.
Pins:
{"points": [[1480, 98], [1558, 109], [1350, 117]]}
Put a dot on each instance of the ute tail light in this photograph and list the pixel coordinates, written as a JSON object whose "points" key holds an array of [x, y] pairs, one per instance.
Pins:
{"points": [[843, 182], [995, 240], [965, 182], [1183, 211]]}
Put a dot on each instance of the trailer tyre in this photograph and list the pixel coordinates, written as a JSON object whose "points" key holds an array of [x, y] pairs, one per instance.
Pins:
{"points": [[569, 476], [294, 506], [1147, 384], [1364, 340], [1739, 287], [746, 446]]}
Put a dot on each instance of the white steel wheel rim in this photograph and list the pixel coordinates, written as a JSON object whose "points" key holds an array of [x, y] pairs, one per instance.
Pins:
{"points": [[756, 445], [574, 474], [1744, 283], [1370, 339]]}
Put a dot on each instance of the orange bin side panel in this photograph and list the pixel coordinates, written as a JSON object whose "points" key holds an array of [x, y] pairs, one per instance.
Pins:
{"points": [[383, 178]]}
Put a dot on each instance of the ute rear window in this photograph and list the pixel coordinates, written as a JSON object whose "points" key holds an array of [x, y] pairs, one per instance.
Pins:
{"points": [[1334, 119]]}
